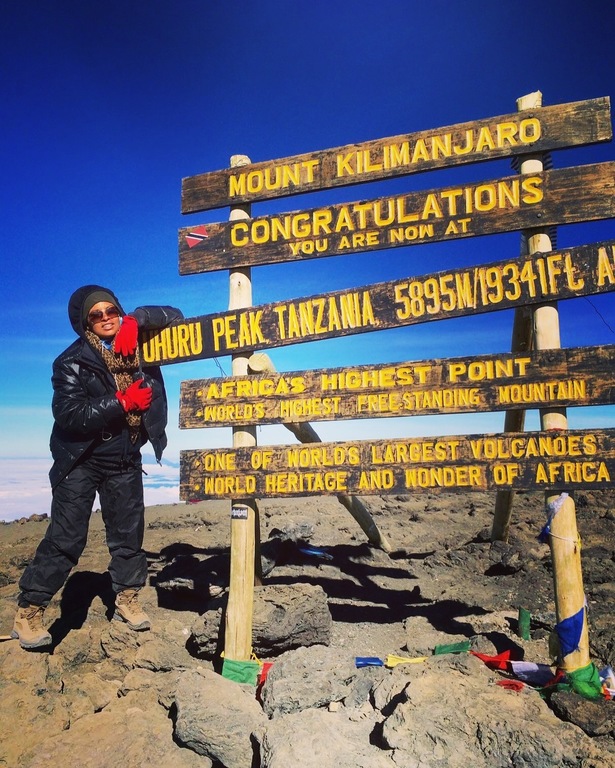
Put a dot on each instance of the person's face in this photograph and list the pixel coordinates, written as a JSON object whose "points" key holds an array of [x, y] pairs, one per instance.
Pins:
{"points": [[104, 320]]}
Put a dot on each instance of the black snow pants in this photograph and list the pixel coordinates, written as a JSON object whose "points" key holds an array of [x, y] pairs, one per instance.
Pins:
{"points": [[121, 501]]}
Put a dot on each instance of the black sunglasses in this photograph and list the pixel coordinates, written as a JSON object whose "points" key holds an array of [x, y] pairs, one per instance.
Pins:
{"points": [[99, 314]]}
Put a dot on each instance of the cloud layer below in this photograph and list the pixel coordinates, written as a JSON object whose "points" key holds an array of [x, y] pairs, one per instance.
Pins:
{"points": [[25, 491]]}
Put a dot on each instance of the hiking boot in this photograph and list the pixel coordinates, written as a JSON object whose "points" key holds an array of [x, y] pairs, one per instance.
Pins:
{"points": [[127, 609], [28, 627]]}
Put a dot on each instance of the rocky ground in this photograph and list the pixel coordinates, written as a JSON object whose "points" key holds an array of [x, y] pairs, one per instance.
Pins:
{"points": [[105, 695]]}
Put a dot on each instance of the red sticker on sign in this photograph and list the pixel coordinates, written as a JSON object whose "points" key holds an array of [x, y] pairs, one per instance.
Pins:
{"points": [[196, 236]]}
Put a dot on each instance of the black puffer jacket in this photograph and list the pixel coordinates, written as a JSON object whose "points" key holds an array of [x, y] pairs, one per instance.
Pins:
{"points": [[86, 411]]}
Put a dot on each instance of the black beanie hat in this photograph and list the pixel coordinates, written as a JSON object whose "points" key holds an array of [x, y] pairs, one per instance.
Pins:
{"points": [[94, 298], [82, 301]]}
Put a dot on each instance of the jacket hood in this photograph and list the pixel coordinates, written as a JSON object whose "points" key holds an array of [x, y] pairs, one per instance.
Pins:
{"points": [[77, 301]]}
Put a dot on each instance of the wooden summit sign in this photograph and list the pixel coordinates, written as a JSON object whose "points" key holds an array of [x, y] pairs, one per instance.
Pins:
{"points": [[554, 459], [516, 461], [579, 271], [528, 131], [584, 193], [558, 377]]}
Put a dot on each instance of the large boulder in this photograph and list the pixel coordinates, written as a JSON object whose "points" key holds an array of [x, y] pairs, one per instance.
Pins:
{"points": [[31, 701], [217, 717], [315, 738], [308, 678], [289, 616], [131, 732], [285, 616], [449, 713]]}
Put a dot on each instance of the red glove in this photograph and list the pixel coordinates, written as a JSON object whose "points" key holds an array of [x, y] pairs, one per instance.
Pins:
{"points": [[126, 338], [135, 397]]}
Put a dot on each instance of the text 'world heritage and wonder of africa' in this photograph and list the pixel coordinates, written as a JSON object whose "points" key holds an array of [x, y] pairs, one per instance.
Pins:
{"points": [[517, 461]]}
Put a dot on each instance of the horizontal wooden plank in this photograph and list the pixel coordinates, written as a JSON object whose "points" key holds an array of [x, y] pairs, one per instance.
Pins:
{"points": [[515, 461], [565, 274], [536, 130], [564, 196], [557, 377]]}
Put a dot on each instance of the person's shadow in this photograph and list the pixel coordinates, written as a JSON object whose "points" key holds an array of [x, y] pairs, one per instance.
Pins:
{"points": [[77, 597]]}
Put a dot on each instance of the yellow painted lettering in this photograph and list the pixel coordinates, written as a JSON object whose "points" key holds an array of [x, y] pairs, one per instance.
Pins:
{"points": [[344, 167], [485, 139], [237, 185], [239, 234], [606, 269]]}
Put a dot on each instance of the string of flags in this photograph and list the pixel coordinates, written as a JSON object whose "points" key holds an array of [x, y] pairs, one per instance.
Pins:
{"points": [[588, 681]]}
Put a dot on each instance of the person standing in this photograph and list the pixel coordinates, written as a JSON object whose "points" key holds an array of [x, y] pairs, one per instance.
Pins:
{"points": [[106, 406]]}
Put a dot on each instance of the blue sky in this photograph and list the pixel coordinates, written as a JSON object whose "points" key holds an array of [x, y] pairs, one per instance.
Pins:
{"points": [[105, 107]]}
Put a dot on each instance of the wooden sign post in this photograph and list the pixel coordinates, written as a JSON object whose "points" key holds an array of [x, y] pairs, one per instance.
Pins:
{"points": [[563, 537], [245, 526], [537, 373], [522, 332]]}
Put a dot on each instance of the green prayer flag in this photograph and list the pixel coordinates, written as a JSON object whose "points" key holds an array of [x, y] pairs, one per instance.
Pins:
{"points": [[586, 682], [462, 647], [241, 671], [524, 624]]}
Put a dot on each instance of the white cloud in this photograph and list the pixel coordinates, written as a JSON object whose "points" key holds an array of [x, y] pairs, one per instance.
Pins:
{"points": [[24, 487], [25, 490]]}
